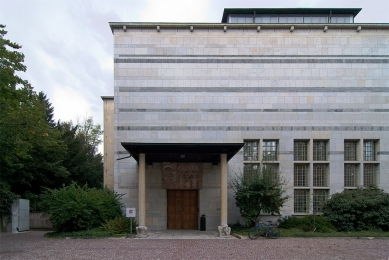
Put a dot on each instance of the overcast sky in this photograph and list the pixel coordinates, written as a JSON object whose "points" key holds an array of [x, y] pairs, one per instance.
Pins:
{"points": [[69, 46]]}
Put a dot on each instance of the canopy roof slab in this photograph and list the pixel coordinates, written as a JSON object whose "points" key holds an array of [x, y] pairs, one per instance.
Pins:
{"points": [[182, 152]]}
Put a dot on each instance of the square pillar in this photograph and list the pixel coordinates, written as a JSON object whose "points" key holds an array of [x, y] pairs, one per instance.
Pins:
{"points": [[224, 230], [141, 230]]}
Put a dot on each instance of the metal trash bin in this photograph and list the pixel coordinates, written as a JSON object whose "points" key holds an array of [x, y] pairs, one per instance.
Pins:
{"points": [[202, 223]]}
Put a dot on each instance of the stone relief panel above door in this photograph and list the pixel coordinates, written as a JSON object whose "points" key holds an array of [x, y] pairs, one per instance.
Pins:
{"points": [[182, 175]]}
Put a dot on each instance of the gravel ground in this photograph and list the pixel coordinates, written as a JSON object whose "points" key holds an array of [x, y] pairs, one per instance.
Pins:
{"points": [[32, 245]]}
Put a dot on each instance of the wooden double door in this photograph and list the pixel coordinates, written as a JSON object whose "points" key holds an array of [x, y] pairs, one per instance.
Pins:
{"points": [[182, 209]]}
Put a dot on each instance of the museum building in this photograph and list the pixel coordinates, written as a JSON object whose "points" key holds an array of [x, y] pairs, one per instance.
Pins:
{"points": [[304, 92]]}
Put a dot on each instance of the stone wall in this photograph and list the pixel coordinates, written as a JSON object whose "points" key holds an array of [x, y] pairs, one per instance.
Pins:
{"points": [[210, 86]]}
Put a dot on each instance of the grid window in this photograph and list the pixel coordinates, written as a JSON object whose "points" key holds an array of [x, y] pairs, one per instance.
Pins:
{"points": [[369, 151], [350, 175], [300, 201], [300, 175], [250, 151], [270, 151], [319, 197], [369, 174], [350, 150], [300, 150], [320, 150], [320, 175], [271, 170], [250, 170]]}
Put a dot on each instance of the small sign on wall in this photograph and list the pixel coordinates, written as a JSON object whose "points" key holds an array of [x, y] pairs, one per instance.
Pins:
{"points": [[130, 212]]}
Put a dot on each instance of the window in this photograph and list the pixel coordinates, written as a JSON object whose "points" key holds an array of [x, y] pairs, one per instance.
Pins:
{"points": [[350, 150], [320, 175], [369, 174], [341, 19], [319, 197], [315, 19], [271, 169], [270, 151], [266, 19], [350, 175], [250, 169], [320, 150], [250, 151], [369, 151], [301, 201], [300, 150], [240, 19], [300, 175]]}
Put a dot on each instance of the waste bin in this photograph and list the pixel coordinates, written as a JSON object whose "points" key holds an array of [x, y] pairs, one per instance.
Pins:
{"points": [[202, 223]]}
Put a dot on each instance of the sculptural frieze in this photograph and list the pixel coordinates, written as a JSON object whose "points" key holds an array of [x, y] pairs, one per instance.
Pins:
{"points": [[182, 175]]}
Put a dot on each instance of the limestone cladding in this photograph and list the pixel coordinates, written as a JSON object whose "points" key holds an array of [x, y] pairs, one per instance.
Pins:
{"points": [[210, 86]]}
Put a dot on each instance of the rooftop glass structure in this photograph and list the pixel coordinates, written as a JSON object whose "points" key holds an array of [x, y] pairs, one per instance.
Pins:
{"points": [[290, 15]]}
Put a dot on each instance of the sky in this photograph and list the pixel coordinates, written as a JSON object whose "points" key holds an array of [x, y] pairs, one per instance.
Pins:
{"points": [[68, 44]]}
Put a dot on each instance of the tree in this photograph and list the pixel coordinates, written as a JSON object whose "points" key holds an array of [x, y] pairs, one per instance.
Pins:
{"points": [[30, 149], [49, 109], [83, 160], [257, 192]]}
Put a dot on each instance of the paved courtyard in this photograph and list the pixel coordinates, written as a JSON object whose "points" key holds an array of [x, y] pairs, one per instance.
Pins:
{"points": [[33, 245]]}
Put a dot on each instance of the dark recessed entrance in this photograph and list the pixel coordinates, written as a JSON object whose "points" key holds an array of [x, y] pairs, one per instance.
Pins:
{"points": [[182, 208]]}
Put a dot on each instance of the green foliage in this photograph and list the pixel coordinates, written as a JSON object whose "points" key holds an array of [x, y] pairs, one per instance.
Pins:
{"points": [[74, 208], [308, 223], [83, 234], [360, 209], [260, 191], [120, 225], [82, 160], [6, 199], [31, 150]]}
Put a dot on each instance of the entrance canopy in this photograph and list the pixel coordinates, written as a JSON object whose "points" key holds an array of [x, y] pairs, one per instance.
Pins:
{"points": [[182, 152]]}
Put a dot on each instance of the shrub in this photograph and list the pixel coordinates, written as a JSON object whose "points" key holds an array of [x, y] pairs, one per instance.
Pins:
{"points": [[260, 191], [360, 209], [307, 223], [78, 208], [120, 225]]}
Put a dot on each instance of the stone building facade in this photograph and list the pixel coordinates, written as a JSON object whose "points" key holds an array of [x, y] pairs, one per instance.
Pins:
{"points": [[196, 103]]}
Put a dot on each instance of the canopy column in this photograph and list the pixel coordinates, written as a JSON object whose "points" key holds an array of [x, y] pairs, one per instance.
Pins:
{"points": [[141, 230], [224, 230]]}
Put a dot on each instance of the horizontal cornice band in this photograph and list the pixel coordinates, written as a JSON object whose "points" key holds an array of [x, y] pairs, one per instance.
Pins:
{"points": [[252, 128], [253, 89], [217, 110], [245, 60]]}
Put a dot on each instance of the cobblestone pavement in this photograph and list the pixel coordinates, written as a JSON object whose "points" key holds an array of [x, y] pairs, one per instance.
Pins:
{"points": [[32, 245]]}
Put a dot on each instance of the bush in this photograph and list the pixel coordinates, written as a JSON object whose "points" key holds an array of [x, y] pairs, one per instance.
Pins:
{"points": [[360, 209], [260, 191], [74, 208], [120, 225], [307, 223]]}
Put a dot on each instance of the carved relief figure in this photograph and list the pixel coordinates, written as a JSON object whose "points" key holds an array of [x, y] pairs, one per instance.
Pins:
{"points": [[182, 175]]}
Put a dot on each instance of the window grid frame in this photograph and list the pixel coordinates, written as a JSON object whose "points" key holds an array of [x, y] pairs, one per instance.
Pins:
{"points": [[271, 147], [369, 150], [369, 174], [320, 175], [320, 150], [351, 175], [251, 151], [300, 152], [300, 201], [319, 197], [350, 150], [300, 175]]}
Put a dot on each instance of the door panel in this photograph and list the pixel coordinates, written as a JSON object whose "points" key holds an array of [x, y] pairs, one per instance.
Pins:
{"points": [[182, 209]]}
